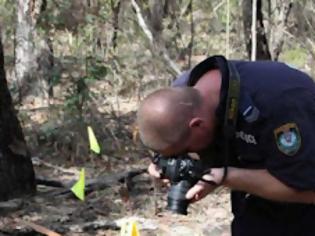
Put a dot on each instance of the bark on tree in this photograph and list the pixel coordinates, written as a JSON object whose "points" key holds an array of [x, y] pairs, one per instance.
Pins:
{"points": [[115, 5], [263, 52], [156, 18], [282, 13], [33, 53], [16, 169]]}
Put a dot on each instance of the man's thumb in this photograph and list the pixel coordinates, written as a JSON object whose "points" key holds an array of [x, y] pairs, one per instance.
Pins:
{"points": [[194, 191]]}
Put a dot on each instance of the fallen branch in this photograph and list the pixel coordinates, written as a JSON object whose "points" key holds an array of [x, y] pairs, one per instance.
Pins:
{"points": [[49, 182], [94, 225], [101, 182], [38, 228]]}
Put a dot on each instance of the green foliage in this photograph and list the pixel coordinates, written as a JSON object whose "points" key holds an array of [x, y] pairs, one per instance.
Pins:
{"points": [[295, 56], [83, 41], [7, 17], [96, 69]]}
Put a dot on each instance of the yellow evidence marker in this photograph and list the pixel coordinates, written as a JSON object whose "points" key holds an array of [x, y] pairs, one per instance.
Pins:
{"points": [[94, 146], [79, 187], [129, 228]]}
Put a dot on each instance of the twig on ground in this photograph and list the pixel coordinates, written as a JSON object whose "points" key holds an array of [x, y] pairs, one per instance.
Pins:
{"points": [[38, 228], [37, 161]]}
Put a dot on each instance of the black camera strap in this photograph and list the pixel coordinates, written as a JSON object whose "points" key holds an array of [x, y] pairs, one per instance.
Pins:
{"points": [[230, 119], [231, 114]]}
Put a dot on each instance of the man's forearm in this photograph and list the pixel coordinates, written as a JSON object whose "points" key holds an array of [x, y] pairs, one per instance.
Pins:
{"points": [[263, 184]]}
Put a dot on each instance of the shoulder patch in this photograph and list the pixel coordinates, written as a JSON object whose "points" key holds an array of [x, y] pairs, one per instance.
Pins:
{"points": [[288, 138]]}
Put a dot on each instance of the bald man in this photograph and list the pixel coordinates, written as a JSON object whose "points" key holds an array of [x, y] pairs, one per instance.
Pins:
{"points": [[166, 119], [272, 159]]}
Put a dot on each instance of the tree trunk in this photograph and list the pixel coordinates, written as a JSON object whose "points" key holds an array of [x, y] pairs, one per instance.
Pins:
{"points": [[116, 9], [282, 13], [263, 52], [16, 170], [156, 19], [34, 53]]}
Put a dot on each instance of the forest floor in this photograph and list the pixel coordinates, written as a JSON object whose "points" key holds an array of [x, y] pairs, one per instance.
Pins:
{"points": [[61, 150]]}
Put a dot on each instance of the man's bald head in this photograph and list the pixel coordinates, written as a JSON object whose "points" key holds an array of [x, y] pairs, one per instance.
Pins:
{"points": [[164, 116]]}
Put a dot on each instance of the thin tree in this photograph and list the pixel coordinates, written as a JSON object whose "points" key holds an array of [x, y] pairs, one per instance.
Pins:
{"points": [[227, 30], [262, 48], [254, 29]]}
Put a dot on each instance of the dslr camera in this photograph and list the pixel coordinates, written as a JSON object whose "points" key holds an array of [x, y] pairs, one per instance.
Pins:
{"points": [[183, 172]]}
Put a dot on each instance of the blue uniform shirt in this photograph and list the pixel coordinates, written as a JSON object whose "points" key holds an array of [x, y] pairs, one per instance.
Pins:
{"points": [[276, 123], [275, 131]]}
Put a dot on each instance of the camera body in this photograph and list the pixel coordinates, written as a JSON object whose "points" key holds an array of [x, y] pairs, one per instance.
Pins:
{"points": [[183, 172]]}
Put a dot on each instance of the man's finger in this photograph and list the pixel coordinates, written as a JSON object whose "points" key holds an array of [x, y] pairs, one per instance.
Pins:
{"points": [[153, 170], [207, 177], [196, 189]]}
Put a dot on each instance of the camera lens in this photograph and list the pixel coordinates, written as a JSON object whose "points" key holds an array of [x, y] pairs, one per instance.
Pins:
{"points": [[176, 200]]}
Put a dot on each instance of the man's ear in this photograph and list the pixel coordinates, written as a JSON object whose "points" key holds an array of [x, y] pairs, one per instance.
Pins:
{"points": [[195, 122]]}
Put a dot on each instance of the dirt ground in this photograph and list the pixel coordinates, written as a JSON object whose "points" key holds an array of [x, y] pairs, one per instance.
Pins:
{"points": [[58, 154]]}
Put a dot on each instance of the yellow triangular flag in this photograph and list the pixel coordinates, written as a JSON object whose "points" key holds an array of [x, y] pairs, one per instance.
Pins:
{"points": [[94, 146], [79, 186], [129, 229], [134, 229]]}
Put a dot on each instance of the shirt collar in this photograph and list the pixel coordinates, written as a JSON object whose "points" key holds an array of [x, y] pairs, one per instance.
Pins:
{"points": [[247, 109], [211, 63]]}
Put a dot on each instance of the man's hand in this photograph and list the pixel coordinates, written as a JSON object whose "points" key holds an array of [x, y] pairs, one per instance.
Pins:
{"points": [[202, 189], [154, 171]]}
